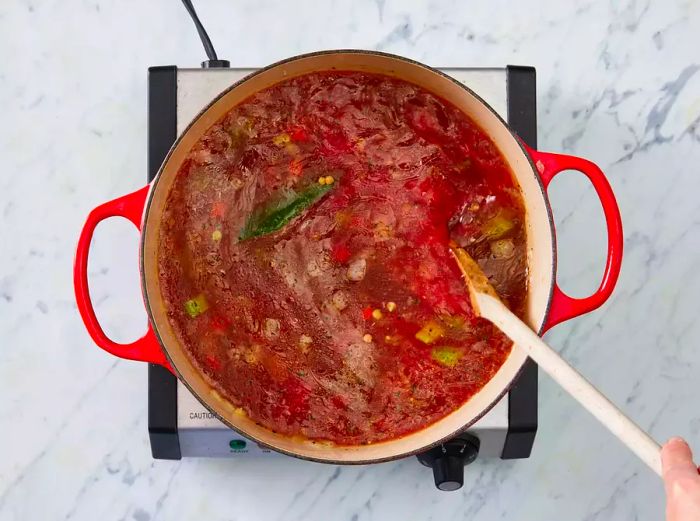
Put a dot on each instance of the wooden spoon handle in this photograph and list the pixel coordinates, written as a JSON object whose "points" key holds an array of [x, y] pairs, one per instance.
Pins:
{"points": [[573, 382]]}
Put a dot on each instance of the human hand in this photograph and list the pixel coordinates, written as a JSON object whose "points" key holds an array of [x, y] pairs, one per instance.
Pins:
{"points": [[681, 481]]}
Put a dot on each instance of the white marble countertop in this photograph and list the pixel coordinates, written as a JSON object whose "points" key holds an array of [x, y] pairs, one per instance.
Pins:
{"points": [[617, 84]]}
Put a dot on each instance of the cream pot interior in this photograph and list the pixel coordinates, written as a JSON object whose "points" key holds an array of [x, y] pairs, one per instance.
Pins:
{"points": [[539, 237]]}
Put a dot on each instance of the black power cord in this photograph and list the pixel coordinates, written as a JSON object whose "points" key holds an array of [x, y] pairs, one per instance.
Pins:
{"points": [[213, 60]]}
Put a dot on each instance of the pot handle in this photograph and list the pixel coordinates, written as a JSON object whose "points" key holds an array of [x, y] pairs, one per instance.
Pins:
{"points": [[146, 348], [564, 307]]}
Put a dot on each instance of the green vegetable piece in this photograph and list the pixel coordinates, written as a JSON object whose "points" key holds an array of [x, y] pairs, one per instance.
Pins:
{"points": [[430, 332], [497, 227], [278, 215], [196, 306], [445, 355]]}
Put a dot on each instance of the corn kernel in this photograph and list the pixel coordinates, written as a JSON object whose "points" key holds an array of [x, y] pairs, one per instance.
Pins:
{"points": [[367, 338], [377, 314], [330, 180], [391, 306], [322, 180], [216, 235]]}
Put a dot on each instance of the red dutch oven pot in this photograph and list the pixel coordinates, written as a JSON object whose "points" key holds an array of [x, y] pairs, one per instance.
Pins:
{"points": [[547, 304]]}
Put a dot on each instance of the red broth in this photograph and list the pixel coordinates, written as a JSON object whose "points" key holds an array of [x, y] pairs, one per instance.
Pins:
{"points": [[304, 256]]}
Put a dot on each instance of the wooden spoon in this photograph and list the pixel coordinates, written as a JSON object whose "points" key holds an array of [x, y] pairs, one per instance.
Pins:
{"points": [[488, 305]]}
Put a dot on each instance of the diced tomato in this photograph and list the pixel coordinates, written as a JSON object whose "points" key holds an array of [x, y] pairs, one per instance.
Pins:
{"points": [[336, 143], [340, 252], [338, 402], [295, 401], [218, 209], [439, 401], [218, 323], [426, 184], [367, 313], [212, 362], [295, 167], [298, 133], [381, 425]]}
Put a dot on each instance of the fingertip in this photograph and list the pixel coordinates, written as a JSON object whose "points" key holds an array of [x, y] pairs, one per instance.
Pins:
{"points": [[676, 454], [675, 445]]}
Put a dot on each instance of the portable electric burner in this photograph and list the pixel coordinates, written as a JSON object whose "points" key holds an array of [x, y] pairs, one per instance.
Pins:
{"points": [[179, 426]]}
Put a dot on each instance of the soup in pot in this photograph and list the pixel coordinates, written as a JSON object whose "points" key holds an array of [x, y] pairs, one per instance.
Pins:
{"points": [[304, 256]]}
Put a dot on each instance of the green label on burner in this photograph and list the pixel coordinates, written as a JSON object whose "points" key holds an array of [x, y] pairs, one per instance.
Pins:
{"points": [[237, 444]]}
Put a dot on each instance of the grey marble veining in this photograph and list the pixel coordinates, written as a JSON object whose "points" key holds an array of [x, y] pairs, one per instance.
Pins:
{"points": [[619, 83]]}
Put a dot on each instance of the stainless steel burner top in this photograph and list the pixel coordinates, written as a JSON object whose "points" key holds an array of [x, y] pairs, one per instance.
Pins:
{"points": [[179, 425]]}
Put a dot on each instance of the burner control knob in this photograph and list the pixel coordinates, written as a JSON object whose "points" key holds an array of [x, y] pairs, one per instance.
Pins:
{"points": [[449, 459]]}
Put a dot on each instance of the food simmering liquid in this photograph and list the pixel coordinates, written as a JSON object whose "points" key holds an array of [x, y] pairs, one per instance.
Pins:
{"points": [[304, 256]]}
